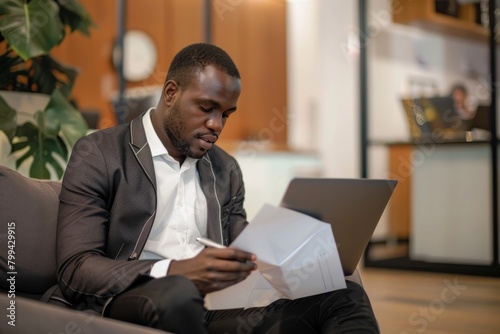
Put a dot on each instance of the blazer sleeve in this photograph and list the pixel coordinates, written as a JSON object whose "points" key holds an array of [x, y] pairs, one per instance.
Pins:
{"points": [[237, 213], [84, 270]]}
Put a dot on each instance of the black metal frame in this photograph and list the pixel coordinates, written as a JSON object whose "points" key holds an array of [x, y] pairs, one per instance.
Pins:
{"points": [[406, 263], [363, 88], [121, 15], [207, 21], [494, 139]]}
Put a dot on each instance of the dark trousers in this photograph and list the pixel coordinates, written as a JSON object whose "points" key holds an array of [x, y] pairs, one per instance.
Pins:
{"points": [[174, 304]]}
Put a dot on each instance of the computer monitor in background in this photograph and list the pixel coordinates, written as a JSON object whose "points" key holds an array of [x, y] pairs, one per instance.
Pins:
{"points": [[434, 118], [417, 122]]}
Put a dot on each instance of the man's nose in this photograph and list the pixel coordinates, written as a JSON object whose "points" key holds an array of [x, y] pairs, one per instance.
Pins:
{"points": [[215, 122]]}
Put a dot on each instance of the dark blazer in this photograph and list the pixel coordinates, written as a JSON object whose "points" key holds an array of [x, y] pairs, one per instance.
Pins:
{"points": [[108, 206]]}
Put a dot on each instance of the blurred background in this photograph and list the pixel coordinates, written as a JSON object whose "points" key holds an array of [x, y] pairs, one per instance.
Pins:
{"points": [[399, 89]]}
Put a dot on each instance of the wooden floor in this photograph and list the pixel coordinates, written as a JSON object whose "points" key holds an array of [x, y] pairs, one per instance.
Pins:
{"points": [[408, 302]]}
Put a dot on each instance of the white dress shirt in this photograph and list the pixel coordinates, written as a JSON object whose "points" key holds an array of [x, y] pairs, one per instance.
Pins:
{"points": [[181, 208]]}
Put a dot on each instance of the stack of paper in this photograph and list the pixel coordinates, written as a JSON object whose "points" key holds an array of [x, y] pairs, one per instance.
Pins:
{"points": [[296, 257]]}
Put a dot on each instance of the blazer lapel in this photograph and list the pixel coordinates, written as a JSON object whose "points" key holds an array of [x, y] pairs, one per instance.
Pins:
{"points": [[208, 185], [140, 147]]}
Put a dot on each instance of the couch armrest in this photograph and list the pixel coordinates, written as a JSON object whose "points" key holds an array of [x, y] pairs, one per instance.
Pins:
{"points": [[36, 317]]}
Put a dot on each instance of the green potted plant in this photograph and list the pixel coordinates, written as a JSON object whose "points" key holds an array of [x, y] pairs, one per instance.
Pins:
{"points": [[29, 30]]}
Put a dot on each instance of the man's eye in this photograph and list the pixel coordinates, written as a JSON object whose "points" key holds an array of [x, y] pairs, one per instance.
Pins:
{"points": [[205, 109], [225, 115]]}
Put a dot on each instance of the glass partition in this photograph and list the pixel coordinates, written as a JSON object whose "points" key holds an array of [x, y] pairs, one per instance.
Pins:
{"points": [[429, 126]]}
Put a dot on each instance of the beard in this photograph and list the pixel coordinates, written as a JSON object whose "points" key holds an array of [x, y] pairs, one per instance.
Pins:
{"points": [[175, 128]]}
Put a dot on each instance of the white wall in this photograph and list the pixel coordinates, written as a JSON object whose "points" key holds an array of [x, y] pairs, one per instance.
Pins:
{"points": [[302, 73], [338, 122], [323, 83]]}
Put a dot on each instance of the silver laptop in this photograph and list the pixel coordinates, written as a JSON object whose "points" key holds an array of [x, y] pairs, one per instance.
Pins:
{"points": [[351, 206]]}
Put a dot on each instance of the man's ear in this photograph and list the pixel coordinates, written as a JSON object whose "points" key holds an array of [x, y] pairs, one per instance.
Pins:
{"points": [[170, 92]]}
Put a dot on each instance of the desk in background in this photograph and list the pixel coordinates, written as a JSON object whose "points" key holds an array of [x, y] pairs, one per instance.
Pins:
{"points": [[443, 201]]}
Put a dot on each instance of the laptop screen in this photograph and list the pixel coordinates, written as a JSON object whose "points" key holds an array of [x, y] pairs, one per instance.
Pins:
{"points": [[434, 117], [352, 207]]}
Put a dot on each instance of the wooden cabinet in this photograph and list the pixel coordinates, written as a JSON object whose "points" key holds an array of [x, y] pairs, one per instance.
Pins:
{"points": [[401, 169], [423, 13]]}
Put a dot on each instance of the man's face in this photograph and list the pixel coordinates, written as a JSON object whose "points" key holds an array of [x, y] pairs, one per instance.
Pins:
{"points": [[459, 97], [199, 112]]}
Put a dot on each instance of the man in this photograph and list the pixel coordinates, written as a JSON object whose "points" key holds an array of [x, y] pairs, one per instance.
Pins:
{"points": [[465, 106], [136, 196]]}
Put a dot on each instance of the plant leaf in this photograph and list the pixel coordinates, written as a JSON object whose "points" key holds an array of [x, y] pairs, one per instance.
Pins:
{"points": [[38, 169], [19, 146], [42, 149], [49, 128], [55, 147], [73, 14], [31, 29], [13, 72], [43, 76], [72, 123], [8, 119], [7, 61], [48, 74]]}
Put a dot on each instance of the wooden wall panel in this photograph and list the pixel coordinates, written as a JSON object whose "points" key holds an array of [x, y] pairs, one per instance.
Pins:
{"points": [[172, 24], [149, 16], [188, 23], [253, 32], [92, 55]]}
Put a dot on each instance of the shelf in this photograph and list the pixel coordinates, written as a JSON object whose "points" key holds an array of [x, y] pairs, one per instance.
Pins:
{"points": [[423, 14]]}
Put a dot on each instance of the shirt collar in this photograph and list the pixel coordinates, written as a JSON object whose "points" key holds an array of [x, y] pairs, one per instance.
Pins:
{"points": [[155, 145]]}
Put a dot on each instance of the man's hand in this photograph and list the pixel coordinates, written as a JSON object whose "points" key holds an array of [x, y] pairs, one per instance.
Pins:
{"points": [[215, 269]]}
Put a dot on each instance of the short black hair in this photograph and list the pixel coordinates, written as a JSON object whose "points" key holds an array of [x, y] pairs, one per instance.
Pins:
{"points": [[459, 86], [193, 58]]}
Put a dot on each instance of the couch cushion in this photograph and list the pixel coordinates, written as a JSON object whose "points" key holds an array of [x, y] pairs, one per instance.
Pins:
{"points": [[31, 206]]}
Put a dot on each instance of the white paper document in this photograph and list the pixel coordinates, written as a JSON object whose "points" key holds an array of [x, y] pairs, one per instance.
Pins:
{"points": [[296, 257]]}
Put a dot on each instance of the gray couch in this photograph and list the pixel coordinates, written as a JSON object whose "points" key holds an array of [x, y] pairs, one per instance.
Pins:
{"points": [[28, 218]]}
